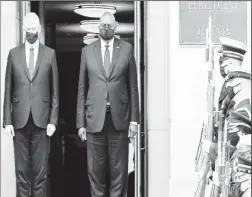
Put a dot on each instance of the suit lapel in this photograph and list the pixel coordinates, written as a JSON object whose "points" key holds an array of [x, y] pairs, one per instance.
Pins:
{"points": [[39, 59], [116, 49], [98, 55], [23, 60]]}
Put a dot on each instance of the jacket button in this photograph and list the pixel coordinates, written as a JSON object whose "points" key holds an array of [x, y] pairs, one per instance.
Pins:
{"points": [[31, 84]]}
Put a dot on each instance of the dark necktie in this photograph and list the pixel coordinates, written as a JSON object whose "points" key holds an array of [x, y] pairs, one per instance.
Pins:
{"points": [[107, 64], [107, 60], [31, 62]]}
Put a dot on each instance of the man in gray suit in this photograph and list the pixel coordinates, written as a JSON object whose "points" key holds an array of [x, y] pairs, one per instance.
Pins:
{"points": [[107, 108], [31, 106]]}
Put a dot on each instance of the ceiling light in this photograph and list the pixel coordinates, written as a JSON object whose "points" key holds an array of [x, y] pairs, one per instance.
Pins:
{"points": [[94, 10]]}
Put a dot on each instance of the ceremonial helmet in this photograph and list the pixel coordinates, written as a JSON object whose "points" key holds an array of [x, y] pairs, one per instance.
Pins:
{"points": [[231, 48]]}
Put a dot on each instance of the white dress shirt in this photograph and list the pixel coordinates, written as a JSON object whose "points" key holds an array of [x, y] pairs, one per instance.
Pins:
{"points": [[103, 48], [35, 51]]}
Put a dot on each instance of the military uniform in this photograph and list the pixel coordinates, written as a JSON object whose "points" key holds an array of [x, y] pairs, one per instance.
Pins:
{"points": [[235, 102], [238, 123]]}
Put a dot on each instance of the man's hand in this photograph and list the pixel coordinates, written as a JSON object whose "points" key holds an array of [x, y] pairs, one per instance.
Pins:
{"points": [[82, 134], [50, 129], [216, 179], [132, 130], [9, 129], [244, 139]]}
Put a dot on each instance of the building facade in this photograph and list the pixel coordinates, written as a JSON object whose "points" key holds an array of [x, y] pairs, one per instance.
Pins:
{"points": [[174, 96]]}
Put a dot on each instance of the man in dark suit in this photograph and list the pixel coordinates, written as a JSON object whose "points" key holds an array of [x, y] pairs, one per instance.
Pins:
{"points": [[31, 107], [107, 108]]}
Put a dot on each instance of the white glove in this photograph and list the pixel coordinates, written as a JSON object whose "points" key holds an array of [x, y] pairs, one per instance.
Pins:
{"points": [[206, 145], [50, 129], [244, 139], [215, 178], [82, 132], [9, 129]]}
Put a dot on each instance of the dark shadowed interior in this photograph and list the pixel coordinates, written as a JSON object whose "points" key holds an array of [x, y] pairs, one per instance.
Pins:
{"points": [[67, 175]]}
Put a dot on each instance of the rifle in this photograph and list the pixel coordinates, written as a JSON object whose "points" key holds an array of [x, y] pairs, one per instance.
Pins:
{"points": [[204, 157], [199, 157], [222, 163]]}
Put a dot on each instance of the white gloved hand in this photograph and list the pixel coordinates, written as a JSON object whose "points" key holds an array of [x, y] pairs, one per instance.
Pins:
{"points": [[9, 129], [244, 139], [215, 178], [82, 132], [206, 145], [50, 129]]}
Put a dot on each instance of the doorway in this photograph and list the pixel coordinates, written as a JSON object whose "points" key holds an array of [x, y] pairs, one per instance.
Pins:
{"points": [[61, 31]]}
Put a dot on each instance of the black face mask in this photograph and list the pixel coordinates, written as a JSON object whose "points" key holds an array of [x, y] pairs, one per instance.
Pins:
{"points": [[106, 33], [31, 37]]}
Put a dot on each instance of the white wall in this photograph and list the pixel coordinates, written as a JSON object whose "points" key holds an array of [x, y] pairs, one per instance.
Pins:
{"points": [[8, 41], [158, 98], [176, 89], [188, 103], [247, 57]]}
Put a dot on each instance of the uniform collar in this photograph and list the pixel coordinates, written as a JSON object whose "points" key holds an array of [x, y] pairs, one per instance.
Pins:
{"points": [[239, 73]]}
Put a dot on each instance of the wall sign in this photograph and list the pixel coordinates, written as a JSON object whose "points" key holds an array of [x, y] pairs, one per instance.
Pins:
{"points": [[229, 20]]}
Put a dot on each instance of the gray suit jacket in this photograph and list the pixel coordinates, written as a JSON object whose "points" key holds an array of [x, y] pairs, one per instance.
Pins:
{"points": [[38, 95], [121, 85]]}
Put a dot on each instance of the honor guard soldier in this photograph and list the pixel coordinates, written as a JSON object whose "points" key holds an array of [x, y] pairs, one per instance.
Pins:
{"points": [[235, 102]]}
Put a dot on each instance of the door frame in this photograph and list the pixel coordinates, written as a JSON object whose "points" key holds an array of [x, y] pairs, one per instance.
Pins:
{"points": [[138, 45], [141, 146], [137, 53]]}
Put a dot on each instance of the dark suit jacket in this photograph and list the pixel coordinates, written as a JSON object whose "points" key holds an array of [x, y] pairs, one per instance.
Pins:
{"points": [[121, 85], [38, 95]]}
